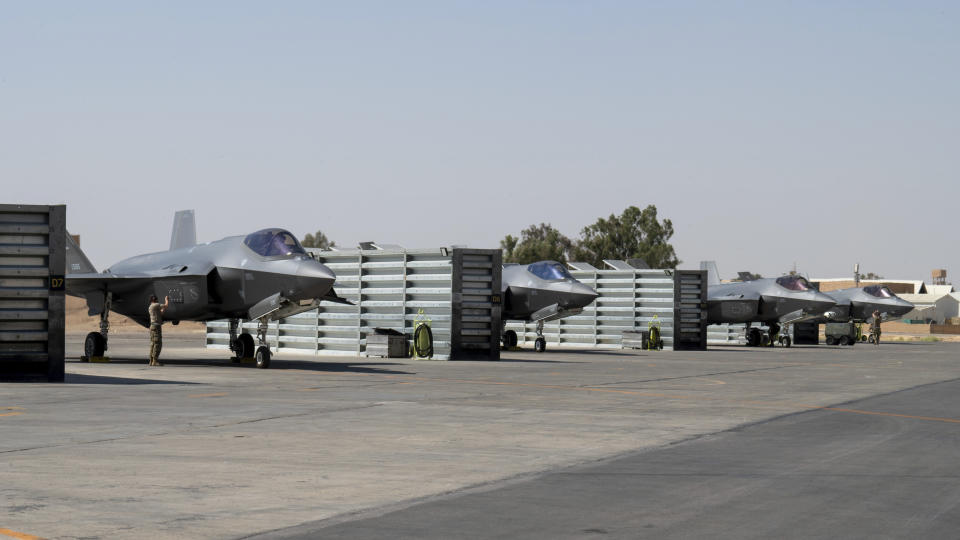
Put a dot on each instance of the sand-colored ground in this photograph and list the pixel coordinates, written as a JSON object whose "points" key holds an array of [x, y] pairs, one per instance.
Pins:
{"points": [[77, 321]]}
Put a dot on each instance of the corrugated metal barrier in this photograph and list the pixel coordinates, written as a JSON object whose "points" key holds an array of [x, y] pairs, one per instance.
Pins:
{"points": [[32, 261]]}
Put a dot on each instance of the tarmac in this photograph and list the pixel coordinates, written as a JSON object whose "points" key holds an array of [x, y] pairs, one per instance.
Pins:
{"points": [[732, 442]]}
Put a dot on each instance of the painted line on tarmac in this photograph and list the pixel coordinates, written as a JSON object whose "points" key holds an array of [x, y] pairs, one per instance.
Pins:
{"points": [[11, 411], [216, 394], [18, 535]]}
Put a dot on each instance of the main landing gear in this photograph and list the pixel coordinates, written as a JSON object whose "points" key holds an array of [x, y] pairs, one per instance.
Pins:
{"points": [[243, 347], [509, 338], [95, 344], [540, 344], [757, 338]]}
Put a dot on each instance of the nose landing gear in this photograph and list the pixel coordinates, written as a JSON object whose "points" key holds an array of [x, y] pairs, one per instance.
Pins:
{"points": [[244, 348]]}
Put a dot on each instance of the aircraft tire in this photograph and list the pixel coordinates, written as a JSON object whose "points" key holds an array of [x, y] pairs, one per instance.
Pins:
{"points": [[785, 341], [509, 339], [540, 344], [844, 340], [245, 346], [831, 340], [263, 357], [94, 345], [753, 338]]}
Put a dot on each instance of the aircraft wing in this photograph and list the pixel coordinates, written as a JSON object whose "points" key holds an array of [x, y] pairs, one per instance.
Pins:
{"points": [[84, 284], [92, 286]]}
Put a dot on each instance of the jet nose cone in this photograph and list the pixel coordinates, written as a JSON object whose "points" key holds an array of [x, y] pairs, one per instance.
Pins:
{"points": [[314, 279], [901, 308], [582, 295], [823, 301]]}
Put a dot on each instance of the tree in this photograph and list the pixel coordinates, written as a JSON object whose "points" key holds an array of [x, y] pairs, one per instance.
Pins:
{"points": [[871, 275], [536, 243], [319, 241], [634, 234]]}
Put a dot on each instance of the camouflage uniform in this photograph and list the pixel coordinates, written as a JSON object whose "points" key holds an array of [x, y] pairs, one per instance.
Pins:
{"points": [[156, 334], [875, 327]]}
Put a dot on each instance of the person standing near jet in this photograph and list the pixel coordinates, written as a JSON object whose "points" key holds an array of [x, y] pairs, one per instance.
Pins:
{"points": [[875, 327], [155, 311]]}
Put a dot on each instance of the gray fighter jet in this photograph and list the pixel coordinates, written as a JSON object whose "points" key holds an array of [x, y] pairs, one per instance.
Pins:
{"points": [[263, 276], [771, 301], [540, 292], [857, 304]]}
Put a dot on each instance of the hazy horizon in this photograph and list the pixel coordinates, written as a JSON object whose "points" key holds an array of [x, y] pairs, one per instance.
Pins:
{"points": [[771, 134]]}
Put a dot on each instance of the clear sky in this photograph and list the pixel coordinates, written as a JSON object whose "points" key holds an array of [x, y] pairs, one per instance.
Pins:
{"points": [[771, 133]]}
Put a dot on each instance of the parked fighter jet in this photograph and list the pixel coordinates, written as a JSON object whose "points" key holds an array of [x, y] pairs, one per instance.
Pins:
{"points": [[263, 276], [858, 304], [540, 292], [772, 301]]}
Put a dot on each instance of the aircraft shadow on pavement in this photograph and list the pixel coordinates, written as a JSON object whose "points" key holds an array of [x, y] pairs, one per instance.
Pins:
{"points": [[276, 365], [77, 378], [533, 361], [339, 367]]}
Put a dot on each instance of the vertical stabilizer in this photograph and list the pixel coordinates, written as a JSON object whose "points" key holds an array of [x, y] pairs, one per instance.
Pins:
{"points": [[713, 275], [184, 230], [77, 261]]}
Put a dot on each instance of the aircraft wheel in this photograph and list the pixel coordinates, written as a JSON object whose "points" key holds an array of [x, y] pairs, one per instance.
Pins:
{"points": [[831, 340], [540, 344], [765, 340], [753, 338], [863, 338], [263, 357], [509, 339], [870, 339], [785, 341], [844, 340], [245, 346], [94, 345]]}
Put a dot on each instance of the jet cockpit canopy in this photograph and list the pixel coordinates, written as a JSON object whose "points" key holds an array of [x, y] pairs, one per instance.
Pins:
{"points": [[880, 291], [549, 270], [795, 283], [274, 243]]}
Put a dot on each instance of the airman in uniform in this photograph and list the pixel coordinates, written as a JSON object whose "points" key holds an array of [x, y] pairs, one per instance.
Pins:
{"points": [[156, 310]]}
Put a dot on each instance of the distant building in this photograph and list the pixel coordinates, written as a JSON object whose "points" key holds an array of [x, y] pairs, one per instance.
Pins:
{"points": [[935, 308]]}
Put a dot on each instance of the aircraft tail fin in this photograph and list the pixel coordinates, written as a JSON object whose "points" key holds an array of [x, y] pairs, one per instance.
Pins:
{"points": [[184, 230], [77, 261], [713, 275]]}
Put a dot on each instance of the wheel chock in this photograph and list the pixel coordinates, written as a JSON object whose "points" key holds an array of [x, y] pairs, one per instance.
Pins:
{"points": [[100, 359]]}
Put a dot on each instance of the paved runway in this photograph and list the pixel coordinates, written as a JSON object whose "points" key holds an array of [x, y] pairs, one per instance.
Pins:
{"points": [[891, 472], [204, 448]]}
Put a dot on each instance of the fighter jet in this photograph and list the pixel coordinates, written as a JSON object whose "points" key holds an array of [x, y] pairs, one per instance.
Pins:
{"points": [[772, 301], [857, 304], [263, 276], [540, 292]]}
